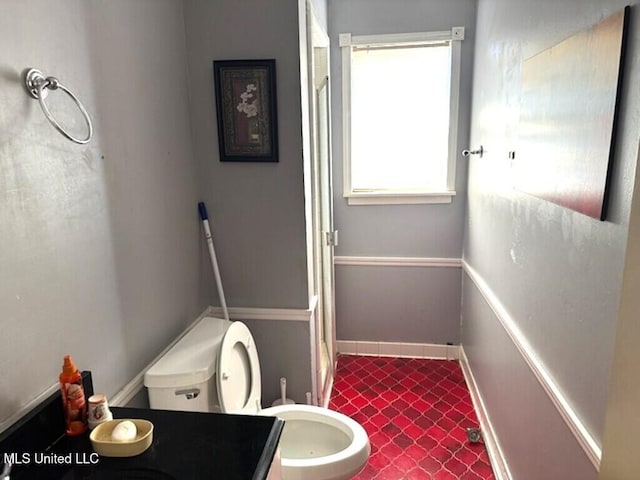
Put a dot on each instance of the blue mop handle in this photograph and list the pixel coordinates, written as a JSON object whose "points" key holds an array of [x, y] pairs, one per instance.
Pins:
{"points": [[214, 261], [203, 211]]}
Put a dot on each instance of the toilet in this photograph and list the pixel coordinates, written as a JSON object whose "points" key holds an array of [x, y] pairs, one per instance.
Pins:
{"points": [[214, 367]]}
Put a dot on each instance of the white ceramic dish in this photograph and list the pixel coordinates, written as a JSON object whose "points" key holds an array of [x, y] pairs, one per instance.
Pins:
{"points": [[105, 446]]}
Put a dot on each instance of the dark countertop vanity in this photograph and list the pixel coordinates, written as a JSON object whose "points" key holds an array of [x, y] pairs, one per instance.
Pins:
{"points": [[186, 445]]}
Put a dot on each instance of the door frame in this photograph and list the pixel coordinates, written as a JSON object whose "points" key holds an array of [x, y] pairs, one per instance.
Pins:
{"points": [[322, 300]]}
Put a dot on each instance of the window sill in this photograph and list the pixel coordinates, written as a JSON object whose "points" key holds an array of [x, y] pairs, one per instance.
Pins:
{"points": [[399, 198]]}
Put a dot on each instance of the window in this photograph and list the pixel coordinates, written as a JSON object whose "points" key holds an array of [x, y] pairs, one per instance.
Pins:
{"points": [[400, 115]]}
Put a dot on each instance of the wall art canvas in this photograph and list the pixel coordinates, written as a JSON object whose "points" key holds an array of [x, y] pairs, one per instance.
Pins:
{"points": [[567, 124]]}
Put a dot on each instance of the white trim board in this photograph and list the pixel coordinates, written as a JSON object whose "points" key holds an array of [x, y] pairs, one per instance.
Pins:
{"points": [[280, 314], [548, 383], [366, 198], [398, 349], [398, 261], [135, 386], [496, 455]]}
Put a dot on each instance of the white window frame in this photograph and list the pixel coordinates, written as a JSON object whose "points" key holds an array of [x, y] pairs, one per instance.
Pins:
{"points": [[347, 41]]}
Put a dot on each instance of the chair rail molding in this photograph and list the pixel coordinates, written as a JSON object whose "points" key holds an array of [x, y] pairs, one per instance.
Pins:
{"points": [[373, 261], [544, 377]]}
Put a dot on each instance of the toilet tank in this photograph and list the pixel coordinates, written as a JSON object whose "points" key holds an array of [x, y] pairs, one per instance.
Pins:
{"points": [[184, 378]]}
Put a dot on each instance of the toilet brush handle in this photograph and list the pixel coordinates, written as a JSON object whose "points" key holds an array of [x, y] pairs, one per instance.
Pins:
{"points": [[283, 389]]}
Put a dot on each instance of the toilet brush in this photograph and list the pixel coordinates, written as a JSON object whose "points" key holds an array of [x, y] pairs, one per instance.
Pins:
{"points": [[283, 400]]}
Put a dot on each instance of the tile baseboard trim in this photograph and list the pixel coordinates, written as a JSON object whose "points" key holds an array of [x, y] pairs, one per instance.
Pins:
{"points": [[496, 455], [544, 377], [397, 261], [398, 349]]}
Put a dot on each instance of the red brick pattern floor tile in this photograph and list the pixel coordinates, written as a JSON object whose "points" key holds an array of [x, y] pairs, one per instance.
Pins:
{"points": [[416, 412]]}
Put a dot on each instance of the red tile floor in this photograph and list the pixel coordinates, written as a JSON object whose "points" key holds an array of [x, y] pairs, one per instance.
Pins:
{"points": [[416, 412]]}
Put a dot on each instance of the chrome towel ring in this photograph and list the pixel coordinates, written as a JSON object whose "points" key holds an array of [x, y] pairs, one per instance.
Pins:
{"points": [[38, 87]]}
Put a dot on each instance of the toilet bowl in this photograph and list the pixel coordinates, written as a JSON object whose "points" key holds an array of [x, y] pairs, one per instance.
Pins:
{"points": [[215, 368], [318, 443]]}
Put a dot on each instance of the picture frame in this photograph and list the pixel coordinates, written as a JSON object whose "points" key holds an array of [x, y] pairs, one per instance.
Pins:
{"points": [[245, 95]]}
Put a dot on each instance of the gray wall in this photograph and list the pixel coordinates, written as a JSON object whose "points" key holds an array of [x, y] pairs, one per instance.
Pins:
{"points": [[257, 210], [399, 230], [398, 304], [99, 244], [535, 440], [283, 347], [557, 273]]}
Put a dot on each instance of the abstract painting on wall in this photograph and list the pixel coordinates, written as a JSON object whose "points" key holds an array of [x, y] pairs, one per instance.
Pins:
{"points": [[569, 99]]}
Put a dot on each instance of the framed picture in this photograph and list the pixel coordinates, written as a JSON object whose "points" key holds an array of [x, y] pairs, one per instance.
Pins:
{"points": [[246, 110]]}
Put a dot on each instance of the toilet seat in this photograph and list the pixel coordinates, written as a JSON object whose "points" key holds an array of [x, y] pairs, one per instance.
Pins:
{"points": [[238, 380]]}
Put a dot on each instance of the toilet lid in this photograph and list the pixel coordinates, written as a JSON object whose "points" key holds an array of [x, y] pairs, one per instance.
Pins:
{"points": [[238, 379]]}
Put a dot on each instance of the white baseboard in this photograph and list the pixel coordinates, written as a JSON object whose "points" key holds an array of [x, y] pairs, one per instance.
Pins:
{"points": [[398, 349], [544, 377], [130, 390], [496, 455]]}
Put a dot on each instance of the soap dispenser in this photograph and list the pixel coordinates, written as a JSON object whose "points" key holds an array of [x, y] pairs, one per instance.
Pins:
{"points": [[73, 401]]}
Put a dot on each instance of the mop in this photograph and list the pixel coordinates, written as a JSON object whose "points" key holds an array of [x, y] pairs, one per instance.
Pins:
{"points": [[212, 253], [283, 400]]}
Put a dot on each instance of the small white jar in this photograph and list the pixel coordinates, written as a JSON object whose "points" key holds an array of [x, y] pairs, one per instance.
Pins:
{"points": [[98, 410]]}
